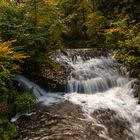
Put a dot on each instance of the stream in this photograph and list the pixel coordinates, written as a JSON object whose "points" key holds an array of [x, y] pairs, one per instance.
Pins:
{"points": [[98, 104]]}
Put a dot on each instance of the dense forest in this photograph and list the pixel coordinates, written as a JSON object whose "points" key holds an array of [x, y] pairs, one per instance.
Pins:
{"points": [[31, 29]]}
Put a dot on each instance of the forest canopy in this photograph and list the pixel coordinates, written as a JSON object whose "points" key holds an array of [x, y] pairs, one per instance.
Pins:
{"points": [[31, 29]]}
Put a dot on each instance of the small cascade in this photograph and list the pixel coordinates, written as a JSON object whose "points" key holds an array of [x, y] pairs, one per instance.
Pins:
{"points": [[27, 86], [40, 94]]}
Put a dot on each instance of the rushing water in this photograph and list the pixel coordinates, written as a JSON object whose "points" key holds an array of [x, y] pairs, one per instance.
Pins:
{"points": [[105, 92], [40, 94]]}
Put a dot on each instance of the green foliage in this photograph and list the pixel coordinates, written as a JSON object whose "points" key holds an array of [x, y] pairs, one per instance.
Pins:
{"points": [[94, 24], [123, 36], [8, 65], [9, 57], [128, 52], [78, 11], [9, 60], [37, 26], [7, 130], [131, 61], [10, 20], [53, 65], [23, 103]]}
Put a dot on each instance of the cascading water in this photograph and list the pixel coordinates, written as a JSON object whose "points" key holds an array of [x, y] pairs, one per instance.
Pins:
{"points": [[40, 94], [102, 84], [104, 91], [95, 75]]}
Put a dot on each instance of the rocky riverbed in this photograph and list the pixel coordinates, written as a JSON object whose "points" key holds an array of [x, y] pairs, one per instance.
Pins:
{"points": [[66, 121]]}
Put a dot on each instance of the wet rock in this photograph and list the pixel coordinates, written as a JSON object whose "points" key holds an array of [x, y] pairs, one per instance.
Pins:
{"points": [[62, 121], [116, 128], [66, 121]]}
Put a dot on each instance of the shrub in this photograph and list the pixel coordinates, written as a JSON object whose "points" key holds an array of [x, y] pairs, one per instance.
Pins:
{"points": [[7, 130], [23, 103]]}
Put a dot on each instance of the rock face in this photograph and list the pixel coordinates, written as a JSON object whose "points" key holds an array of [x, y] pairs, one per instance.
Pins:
{"points": [[66, 121], [56, 80]]}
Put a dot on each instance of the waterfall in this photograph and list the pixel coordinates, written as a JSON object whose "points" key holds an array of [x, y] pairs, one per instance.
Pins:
{"points": [[103, 84], [96, 75], [105, 93], [39, 93]]}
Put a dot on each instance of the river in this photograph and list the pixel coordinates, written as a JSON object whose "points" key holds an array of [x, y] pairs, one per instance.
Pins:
{"points": [[98, 104]]}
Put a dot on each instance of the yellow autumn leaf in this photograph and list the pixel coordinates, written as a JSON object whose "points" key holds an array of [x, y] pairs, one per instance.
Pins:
{"points": [[114, 30], [7, 50], [8, 55]]}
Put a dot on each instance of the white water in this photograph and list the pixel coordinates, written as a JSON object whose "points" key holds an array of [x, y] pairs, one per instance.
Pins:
{"points": [[40, 94], [101, 83], [97, 83]]}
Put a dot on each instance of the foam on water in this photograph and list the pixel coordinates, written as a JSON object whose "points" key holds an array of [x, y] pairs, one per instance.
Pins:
{"points": [[101, 83]]}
